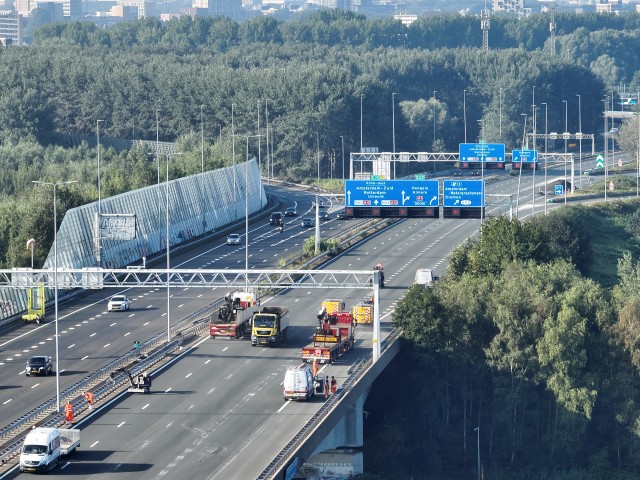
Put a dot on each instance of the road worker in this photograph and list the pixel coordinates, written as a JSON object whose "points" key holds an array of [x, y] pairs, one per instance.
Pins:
{"points": [[68, 412], [315, 367], [89, 397], [334, 384], [326, 387]]}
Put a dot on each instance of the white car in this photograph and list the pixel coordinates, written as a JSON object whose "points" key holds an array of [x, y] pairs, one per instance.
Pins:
{"points": [[233, 239], [118, 302]]}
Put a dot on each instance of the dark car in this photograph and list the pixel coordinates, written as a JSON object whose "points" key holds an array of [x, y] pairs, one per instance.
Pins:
{"points": [[321, 204], [307, 223], [276, 219], [40, 365], [342, 216], [290, 212], [457, 173], [324, 216]]}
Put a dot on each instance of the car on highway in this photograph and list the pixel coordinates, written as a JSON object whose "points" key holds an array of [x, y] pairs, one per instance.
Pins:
{"points": [[307, 223], [342, 216], [324, 216], [457, 173], [233, 239], [40, 365], [118, 303], [276, 219], [290, 212], [321, 204]]}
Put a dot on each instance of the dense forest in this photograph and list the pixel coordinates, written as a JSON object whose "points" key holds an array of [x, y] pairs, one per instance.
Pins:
{"points": [[522, 339], [308, 87]]}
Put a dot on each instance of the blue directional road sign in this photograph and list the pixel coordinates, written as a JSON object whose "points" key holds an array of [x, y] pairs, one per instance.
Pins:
{"points": [[482, 152], [524, 156], [463, 193], [391, 193], [559, 189]]}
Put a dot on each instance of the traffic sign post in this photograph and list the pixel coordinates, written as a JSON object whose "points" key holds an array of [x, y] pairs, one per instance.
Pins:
{"points": [[463, 193], [463, 198], [558, 189], [524, 156], [392, 198], [482, 152], [599, 161]]}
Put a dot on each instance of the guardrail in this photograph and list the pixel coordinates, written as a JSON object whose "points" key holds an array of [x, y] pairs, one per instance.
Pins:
{"points": [[296, 442]]}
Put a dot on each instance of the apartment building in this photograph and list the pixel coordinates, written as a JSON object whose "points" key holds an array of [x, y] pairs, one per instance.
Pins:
{"points": [[10, 28]]}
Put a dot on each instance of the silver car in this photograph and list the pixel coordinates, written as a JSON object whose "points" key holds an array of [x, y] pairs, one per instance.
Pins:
{"points": [[233, 239]]}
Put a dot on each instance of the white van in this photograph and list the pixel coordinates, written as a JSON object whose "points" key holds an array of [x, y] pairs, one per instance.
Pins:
{"points": [[298, 383], [43, 448], [425, 277]]}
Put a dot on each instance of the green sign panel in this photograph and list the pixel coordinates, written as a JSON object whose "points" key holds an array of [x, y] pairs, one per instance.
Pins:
{"points": [[599, 161]]}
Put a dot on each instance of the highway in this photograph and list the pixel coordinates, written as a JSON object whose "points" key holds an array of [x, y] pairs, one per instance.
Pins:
{"points": [[218, 411], [90, 336]]}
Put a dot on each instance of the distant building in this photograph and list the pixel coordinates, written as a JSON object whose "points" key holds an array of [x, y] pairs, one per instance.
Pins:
{"points": [[72, 9], [226, 8], [405, 18], [10, 28], [144, 6], [511, 6]]}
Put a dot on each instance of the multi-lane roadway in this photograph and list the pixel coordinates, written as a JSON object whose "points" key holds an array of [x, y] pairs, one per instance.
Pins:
{"points": [[217, 412]]}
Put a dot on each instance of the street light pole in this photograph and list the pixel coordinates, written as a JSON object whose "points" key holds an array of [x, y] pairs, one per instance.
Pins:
{"points": [[393, 123], [524, 134], [477, 429], [169, 155], [464, 110], [30, 244], [565, 150], [342, 141], [318, 156], [434, 121], [606, 144], [55, 186], [361, 97], [580, 139], [545, 158], [97, 229]]}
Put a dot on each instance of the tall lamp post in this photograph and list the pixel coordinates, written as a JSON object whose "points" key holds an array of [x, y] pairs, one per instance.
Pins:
{"points": [[55, 186], [97, 242], [477, 429], [169, 155], [545, 158], [464, 110], [565, 150], [393, 132], [361, 97], [580, 131], [342, 141], [524, 134], [434, 119]]}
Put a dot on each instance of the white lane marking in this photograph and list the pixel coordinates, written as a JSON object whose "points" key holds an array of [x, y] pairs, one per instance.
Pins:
{"points": [[163, 314], [34, 386], [105, 346], [94, 444], [7, 401], [114, 323], [168, 390], [72, 345], [120, 424], [207, 361], [229, 376], [211, 391], [132, 315], [85, 357], [146, 406], [181, 305], [188, 375], [283, 407], [145, 324], [150, 306], [128, 333], [91, 335], [225, 349]]}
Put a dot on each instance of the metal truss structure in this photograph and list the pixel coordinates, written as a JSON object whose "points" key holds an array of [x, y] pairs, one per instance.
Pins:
{"points": [[96, 278]]}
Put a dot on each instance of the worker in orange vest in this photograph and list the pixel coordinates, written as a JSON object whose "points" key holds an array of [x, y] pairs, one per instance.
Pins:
{"points": [[326, 387], [68, 412], [334, 384], [89, 397], [315, 367]]}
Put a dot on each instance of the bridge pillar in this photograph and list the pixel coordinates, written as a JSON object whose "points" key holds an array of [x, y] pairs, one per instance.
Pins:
{"points": [[340, 452]]}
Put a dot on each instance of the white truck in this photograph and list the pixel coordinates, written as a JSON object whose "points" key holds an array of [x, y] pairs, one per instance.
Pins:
{"points": [[299, 383], [44, 446]]}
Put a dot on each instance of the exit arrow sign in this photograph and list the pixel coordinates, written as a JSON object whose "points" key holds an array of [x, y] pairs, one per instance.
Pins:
{"points": [[599, 161]]}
